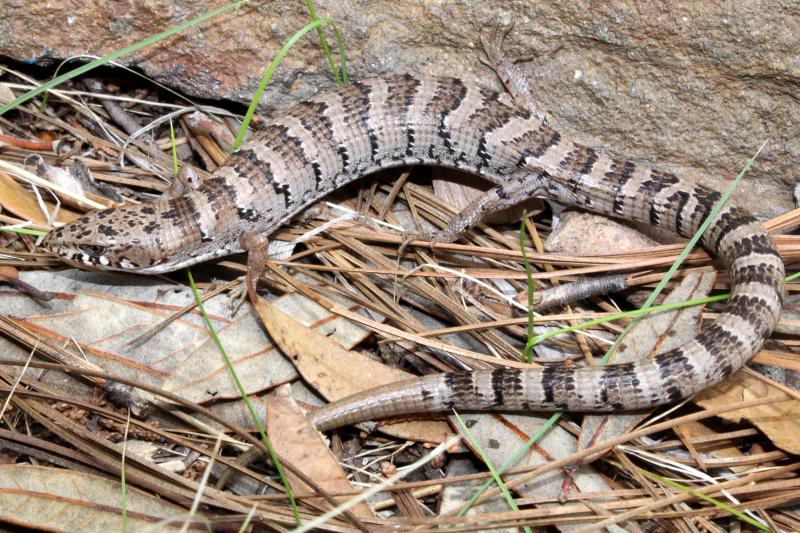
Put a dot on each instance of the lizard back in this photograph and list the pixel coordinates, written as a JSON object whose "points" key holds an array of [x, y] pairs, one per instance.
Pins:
{"points": [[338, 136]]}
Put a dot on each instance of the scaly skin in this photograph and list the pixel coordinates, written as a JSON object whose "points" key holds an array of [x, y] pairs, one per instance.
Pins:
{"points": [[336, 137]]}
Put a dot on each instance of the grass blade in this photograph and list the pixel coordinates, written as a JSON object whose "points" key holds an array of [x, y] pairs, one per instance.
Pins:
{"points": [[256, 420], [271, 70], [115, 55]]}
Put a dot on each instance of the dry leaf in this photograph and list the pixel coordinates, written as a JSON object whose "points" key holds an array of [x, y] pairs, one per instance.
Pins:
{"points": [[716, 449], [336, 373], [779, 421], [501, 436], [181, 357], [259, 364], [202, 376], [296, 441], [55, 499], [456, 495], [22, 203]]}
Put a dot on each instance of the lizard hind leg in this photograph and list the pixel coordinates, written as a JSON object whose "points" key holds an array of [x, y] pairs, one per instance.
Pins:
{"points": [[510, 192]]}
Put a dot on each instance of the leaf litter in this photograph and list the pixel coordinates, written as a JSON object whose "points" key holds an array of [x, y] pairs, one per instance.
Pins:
{"points": [[343, 313]]}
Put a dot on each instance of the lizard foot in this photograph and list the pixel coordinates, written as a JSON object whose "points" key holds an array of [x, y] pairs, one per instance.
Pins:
{"points": [[433, 238], [492, 44], [238, 295], [507, 70]]}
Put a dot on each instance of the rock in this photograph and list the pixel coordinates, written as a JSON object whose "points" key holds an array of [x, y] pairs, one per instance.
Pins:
{"points": [[589, 235], [696, 84]]}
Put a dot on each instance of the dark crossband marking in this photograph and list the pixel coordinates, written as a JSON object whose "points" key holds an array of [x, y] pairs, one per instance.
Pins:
{"points": [[619, 175], [579, 160], [448, 97], [288, 147], [677, 202], [506, 383], [260, 174], [461, 385], [730, 221], [401, 92], [314, 119], [650, 189], [219, 194], [488, 117], [536, 142]]}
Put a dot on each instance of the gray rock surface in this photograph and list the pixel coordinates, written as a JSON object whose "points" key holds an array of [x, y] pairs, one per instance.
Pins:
{"points": [[695, 84], [589, 235]]}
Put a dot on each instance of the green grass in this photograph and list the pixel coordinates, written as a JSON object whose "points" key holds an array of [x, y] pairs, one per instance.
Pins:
{"points": [[519, 454], [495, 473], [645, 309], [339, 73], [26, 231], [243, 393], [717, 503], [316, 24], [341, 77], [116, 55]]}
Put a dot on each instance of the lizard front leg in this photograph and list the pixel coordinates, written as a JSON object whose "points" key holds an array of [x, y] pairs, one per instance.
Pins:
{"points": [[256, 244], [508, 72]]}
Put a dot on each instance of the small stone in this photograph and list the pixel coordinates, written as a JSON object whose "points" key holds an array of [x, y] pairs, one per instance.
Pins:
{"points": [[587, 234]]}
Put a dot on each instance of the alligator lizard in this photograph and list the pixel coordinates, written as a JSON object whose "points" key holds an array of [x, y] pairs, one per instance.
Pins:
{"points": [[338, 136]]}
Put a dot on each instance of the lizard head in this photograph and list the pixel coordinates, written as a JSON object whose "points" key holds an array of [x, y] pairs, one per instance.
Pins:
{"points": [[126, 238]]}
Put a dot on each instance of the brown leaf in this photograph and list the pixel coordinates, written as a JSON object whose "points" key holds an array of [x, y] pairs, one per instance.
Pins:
{"points": [[202, 375], [456, 494], [780, 421], [296, 441], [22, 203], [336, 373], [716, 449], [55, 499], [502, 436]]}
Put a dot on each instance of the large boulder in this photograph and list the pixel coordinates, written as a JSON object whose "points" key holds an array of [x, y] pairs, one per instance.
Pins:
{"points": [[695, 84]]}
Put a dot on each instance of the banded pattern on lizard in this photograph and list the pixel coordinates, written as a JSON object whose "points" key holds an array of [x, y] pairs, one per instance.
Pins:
{"points": [[340, 135]]}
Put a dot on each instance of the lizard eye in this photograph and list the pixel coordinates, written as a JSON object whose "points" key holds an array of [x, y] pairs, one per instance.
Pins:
{"points": [[93, 250]]}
